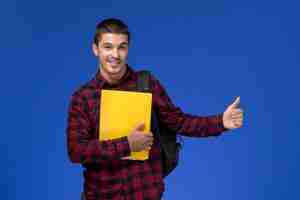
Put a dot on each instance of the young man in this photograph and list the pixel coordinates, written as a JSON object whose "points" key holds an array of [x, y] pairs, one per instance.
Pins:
{"points": [[107, 175]]}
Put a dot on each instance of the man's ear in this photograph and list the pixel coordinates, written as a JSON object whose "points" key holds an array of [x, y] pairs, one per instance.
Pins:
{"points": [[95, 49]]}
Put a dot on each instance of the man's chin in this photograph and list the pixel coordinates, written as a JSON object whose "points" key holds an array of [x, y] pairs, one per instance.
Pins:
{"points": [[115, 70], [115, 67]]}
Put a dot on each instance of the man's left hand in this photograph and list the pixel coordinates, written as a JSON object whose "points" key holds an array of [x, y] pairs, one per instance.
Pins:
{"points": [[233, 115]]}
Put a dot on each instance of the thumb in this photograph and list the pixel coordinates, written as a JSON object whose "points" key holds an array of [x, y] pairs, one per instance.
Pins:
{"points": [[140, 127], [236, 103]]}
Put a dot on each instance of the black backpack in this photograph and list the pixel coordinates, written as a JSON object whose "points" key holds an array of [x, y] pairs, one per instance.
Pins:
{"points": [[170, 147]]}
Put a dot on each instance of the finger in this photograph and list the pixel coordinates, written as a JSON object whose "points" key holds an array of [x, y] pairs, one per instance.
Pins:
{"points": [[148, 148], [140, 132], [237, 116], [148, 143], [236, 103], [149, 135], [236, 113], [140, 127], [149, 140], [238, 120], [237, 110], [238, 123]]}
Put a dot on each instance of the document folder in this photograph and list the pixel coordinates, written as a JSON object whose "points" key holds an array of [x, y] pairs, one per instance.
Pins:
{"points": [[121, 112]]}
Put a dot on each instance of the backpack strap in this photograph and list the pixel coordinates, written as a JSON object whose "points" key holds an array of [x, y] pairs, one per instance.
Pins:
{"points": [[143, 83]]}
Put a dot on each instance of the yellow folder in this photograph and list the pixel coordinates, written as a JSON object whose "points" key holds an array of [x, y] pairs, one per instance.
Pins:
{"points": [[121, 112]]}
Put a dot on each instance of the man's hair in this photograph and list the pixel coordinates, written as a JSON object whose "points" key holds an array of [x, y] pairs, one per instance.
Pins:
{"points": [[110, 25]]}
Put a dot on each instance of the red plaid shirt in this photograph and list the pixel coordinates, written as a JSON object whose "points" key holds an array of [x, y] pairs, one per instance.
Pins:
{"points": [[106, 176]]}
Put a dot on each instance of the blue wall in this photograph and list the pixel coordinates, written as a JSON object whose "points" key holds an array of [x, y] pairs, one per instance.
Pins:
{"points": [[204, 52]]}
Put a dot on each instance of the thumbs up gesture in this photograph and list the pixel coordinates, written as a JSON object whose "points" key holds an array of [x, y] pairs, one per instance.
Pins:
{"points": [[233, 115]]}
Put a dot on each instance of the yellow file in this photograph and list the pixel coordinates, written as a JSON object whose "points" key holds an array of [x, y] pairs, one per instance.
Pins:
{"points": [[121, 112]]}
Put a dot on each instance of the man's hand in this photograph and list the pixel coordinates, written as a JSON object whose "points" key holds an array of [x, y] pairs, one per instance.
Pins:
{"points": [[138, 140], [233, 115]]}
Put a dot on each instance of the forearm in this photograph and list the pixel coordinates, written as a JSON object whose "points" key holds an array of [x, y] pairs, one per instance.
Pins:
{"points": [[94, 151], [191, 125], [201, 126]]}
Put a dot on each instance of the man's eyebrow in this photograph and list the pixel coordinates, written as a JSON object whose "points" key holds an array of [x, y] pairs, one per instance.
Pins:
{"points": [[111, 44], [107, 43], [124, 43]]}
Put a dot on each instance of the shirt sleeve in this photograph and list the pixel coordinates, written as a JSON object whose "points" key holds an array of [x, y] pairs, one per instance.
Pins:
{"points": [[83, 149], [185, 124]]}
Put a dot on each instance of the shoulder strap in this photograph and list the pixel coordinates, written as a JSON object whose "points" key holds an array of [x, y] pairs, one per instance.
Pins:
{"points": [[143, 85], [143, 82]]}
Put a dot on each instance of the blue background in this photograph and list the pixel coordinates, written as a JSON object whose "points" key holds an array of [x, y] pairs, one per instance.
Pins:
{"points": [[204, 52]]}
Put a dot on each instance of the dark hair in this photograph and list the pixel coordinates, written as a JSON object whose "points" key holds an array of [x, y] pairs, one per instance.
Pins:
{"points": [[110, 25]]}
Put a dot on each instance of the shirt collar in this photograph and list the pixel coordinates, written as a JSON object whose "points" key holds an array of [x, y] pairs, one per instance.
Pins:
{"points": [[101, 81]]}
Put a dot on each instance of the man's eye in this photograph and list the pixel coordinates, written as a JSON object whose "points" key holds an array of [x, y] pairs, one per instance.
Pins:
{"points": [[107, 47]]}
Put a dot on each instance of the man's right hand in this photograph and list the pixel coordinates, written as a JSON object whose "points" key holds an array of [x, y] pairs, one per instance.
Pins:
{"points": [[139, 140]]}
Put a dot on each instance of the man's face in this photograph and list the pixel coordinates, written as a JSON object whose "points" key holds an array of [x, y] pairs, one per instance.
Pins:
{"points": [[112, 52]]}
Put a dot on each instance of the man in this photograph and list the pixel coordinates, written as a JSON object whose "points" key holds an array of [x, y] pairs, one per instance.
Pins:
{"points": [[108, 174]]}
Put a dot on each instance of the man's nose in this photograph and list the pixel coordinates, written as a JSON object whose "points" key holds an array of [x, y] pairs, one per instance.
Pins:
{"points": [[115, 53]]}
